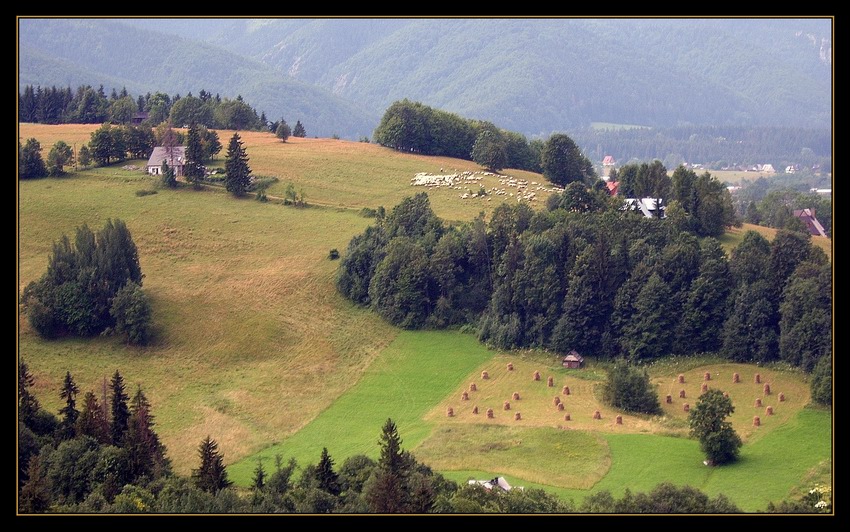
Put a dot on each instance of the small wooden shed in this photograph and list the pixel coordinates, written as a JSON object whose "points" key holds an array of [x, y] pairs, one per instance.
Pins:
{"points": [[573, 360]]}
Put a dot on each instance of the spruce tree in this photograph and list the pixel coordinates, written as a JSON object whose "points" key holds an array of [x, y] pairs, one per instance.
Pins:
{"points": [[211, 476], [298, 130], [649, 334], [168, 178], [119, 409], [85, 156], [259, 480], [705, 308], [194, 167], [68, 426], [236, 167], [35, 494], [146, 452], [92, 420], [31, 164], [388, 491], [325, 474], [27, 403], [283, 131], [585, 307]]}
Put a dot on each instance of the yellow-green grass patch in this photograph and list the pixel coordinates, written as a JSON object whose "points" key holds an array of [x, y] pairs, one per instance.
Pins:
{"points": [[403, 382], [536, 404], [543, 455], [48, 134]]}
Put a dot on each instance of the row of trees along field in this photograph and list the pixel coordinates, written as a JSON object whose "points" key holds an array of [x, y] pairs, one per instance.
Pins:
{"points": [[589, 276], [717, 147], [92, 106], [106, 457]]}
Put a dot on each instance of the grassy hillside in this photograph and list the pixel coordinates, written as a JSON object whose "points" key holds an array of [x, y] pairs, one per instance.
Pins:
{"points": [[255, 348], [246, 314], [247, 318], [734, 236], [336, 173], [409, 376]]}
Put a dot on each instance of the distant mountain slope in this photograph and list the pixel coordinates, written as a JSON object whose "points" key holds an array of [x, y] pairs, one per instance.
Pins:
{"points": [[529, 75], [72, 52], [536, 76]]}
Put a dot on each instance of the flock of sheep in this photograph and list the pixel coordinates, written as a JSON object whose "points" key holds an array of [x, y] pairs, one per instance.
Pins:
{"points": [[525, 190]]}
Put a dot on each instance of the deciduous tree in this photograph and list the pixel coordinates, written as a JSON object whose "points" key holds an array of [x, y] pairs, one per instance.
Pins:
{"points": [[563, 162], [707, 420]]}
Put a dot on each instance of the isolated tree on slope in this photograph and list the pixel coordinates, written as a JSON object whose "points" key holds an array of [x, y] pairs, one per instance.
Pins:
{"points": [[563, 162], [707, 420], [283, 130], [298, 130]]}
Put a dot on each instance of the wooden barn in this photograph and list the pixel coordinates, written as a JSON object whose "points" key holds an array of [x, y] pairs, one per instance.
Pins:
{"points": [[573, 360]]}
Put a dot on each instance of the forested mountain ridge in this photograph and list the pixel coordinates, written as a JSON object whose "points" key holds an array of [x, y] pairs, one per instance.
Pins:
{"points": [[534, 76], [656, 72]]}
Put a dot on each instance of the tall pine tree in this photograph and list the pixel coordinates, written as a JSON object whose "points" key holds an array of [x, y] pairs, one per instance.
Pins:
{"points": [[194, 168], [145, 451], [211, 476], [93, 421], [325, 474], [236, 167], [119, 409], [388, 489], [27, 403], [68, 425], [704, 311], [298, 130], [650, 332]]}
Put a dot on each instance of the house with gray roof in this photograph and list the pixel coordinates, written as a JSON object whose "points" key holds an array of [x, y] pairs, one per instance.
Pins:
{"points": [[175, 156]]}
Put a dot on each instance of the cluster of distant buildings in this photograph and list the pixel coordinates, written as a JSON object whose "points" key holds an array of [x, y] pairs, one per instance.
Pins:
{"points": [[650, 207]]}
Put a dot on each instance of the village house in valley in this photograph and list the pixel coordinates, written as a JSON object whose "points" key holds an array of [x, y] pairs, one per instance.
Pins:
{"points": [[176, 158]]}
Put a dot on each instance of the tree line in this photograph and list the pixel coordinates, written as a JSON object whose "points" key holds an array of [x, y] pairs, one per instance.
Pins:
{"points": [[414, 127], [87, 105], [716, 147], [589, 276]]}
